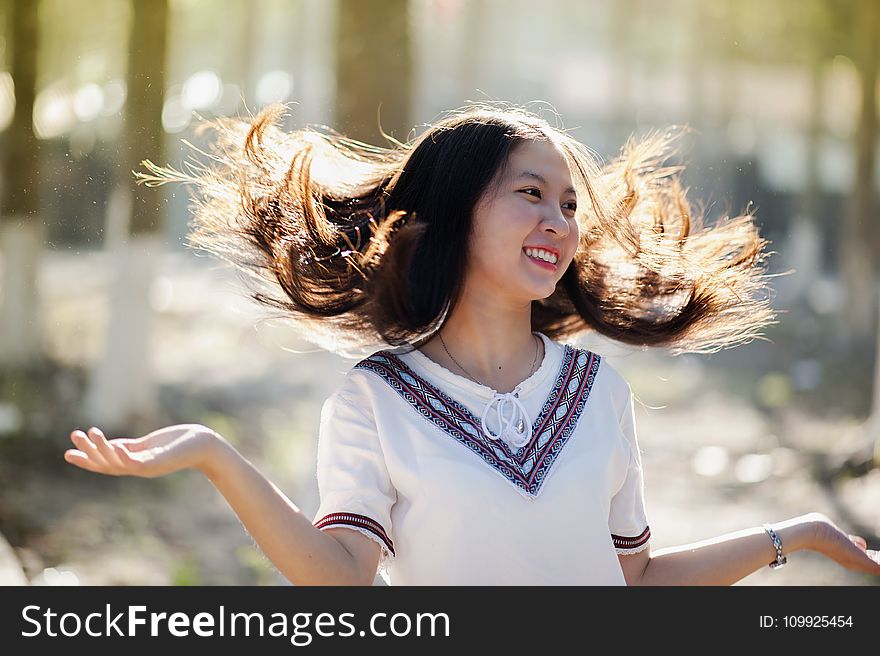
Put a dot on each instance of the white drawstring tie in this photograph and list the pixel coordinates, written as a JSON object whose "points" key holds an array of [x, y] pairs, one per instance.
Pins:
{"points": [[515, 430]]}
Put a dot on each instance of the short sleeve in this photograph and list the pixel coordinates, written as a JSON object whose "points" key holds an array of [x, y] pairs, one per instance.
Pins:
{"points": [[353, 482], [627, 519]]}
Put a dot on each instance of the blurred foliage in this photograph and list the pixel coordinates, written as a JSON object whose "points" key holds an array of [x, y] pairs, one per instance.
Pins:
{"points": [[257, 565], [186, 572]]}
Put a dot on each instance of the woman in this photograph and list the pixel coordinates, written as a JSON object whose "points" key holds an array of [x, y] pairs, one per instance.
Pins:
{"points": [[473, 447]]}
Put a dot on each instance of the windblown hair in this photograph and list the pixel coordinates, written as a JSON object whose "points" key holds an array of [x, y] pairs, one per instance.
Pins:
{"points": [[366, 242]]}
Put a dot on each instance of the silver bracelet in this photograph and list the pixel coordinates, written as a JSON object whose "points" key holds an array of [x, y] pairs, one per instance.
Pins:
{"points": [[777, 544]]}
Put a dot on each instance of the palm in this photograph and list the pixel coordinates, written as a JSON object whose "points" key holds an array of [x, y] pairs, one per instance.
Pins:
{"points": [[161, 452]]}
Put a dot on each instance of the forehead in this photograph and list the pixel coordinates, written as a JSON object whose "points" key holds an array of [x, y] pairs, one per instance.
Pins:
{"points": [[539, 159]]}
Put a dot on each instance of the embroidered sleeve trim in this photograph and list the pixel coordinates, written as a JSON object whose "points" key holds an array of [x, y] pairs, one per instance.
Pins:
{"points": [[631, 545], [362, 523]]}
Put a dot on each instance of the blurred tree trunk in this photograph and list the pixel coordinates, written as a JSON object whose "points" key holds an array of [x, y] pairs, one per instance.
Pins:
{"points": [[21, 231], [240, 68], [857, 254], [122, 391], [811, 202], [804, 241], [472, 60], [873, 423], [862, 231], [373, 68], [11, 571]]}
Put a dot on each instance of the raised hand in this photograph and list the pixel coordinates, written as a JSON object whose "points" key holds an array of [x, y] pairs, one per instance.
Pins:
{"points": [[850, 551], [167, 450]]}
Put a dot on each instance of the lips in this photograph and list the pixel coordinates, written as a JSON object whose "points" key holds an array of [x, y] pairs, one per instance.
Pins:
{"points": [[541, 263]]}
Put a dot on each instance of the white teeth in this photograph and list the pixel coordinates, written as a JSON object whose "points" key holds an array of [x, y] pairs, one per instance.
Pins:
{"points": [[541, 255]]}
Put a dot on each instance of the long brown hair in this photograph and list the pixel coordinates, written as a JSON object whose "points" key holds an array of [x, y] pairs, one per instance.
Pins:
{"points": [[365, 242]]}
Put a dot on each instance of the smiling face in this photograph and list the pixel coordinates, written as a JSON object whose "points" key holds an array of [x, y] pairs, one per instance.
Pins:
{"points": [[521, 223]]}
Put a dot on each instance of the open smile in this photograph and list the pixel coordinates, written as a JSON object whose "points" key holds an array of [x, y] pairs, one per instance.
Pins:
{"points": [[537, 258]]}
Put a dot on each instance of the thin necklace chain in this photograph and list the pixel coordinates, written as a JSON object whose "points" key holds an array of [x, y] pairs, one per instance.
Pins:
{"points": [[531, 371]]}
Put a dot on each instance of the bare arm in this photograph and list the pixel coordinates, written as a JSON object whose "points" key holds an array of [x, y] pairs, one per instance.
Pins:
{"points": [[726, 559], [301, 552]]}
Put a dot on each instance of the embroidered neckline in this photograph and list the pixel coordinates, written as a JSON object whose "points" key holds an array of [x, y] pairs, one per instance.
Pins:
{"points": [[527, 467], [536, 377]]}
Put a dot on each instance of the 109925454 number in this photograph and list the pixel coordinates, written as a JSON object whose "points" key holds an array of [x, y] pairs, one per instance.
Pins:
{"points": [[816, 621]]}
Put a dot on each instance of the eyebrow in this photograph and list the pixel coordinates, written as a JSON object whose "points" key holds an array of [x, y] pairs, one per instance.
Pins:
{"points": [[540, 178]]}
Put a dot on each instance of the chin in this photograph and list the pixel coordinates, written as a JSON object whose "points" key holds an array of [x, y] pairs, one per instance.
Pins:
{"points": [[541, 295]]}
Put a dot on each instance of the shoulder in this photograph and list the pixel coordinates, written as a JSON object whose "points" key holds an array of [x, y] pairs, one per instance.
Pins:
{"points": [[615, 380], [365, 379], [349, 413], [605, 372]]}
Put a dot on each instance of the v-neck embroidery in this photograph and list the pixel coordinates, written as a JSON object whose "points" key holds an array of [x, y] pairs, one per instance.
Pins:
{"points": [[530, 465]]}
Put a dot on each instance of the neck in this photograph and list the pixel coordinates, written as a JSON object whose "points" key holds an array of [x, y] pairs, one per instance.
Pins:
{"points": [[491, 342]]}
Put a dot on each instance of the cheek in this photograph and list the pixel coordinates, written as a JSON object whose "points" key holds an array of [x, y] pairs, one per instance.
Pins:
{"points": [[499, 235], [573, 241]]}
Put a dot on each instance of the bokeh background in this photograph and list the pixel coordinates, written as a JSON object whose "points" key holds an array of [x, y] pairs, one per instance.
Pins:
{"points": [[108, 319]]}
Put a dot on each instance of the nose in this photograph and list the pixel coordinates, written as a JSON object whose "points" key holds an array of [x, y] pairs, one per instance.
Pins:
{"points": [[556, 223]]}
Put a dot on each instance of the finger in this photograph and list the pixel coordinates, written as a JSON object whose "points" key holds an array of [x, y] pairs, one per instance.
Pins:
{"points": [[104, 448], [86, 446], [859, 541], [77, 435], [81, 460], [96, 437]]}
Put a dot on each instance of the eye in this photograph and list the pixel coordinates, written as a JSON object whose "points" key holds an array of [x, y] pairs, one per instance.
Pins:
{"points": [[571, 205]]}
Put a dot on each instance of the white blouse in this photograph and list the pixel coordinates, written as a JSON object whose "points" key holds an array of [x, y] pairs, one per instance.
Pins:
{"points": [[403, 458]]}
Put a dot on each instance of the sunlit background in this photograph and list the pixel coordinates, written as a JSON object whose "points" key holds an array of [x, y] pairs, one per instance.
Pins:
{"points": [[107, 318]]}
